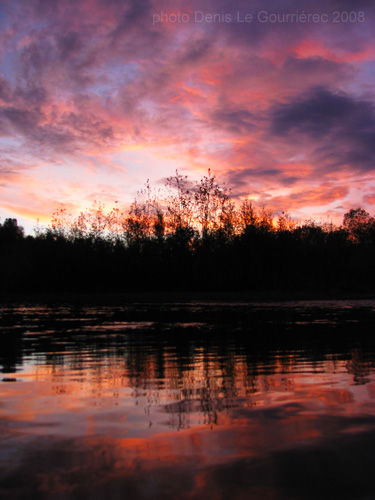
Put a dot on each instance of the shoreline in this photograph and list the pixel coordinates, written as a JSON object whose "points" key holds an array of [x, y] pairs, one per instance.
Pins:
{"points": [[117, 298]]}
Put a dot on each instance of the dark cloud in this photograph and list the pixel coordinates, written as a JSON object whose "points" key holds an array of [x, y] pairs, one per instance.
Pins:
{"points": [[314, 71], [84, 124], [22, 120], [69, 44], [67, 133], [264, 175], [31, 95], [134, 26], [236, 121], [255, 36], [5, 90], [35, 58], [251, 172], [320, 112], [341, 126], [28, 124], [194, 51]]}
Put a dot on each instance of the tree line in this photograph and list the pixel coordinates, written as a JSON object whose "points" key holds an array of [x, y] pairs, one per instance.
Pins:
{"points": [[188, 236]]}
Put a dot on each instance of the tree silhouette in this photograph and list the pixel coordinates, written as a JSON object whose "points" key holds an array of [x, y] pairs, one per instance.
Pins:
{"points": [[11, 231], [191, 235], [359, 224]]}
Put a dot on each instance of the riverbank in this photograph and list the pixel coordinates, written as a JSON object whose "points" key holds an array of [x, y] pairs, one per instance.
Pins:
{"points": [[185, 296]]}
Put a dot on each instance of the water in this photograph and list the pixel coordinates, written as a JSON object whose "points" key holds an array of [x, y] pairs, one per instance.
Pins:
{"points": [[188, 401]]}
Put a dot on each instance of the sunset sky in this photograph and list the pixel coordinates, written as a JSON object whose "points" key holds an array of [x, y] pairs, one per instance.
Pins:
{"points": [[97, 96]]}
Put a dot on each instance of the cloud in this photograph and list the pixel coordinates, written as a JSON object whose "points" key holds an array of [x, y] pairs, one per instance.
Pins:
{"points": [[340, 126], [267, 106], [314, 71], [320, 112], [369, 199], [22, 120], [236, 121]]}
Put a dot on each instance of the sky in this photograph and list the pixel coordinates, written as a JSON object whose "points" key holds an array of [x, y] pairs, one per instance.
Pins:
{"points": [[277, 97]]}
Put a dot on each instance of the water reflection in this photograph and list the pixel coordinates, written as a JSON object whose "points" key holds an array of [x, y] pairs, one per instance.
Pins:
{"points": [[188, 401]]}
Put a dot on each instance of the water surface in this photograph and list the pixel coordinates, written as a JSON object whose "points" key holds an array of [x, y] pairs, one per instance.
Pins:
{"points": [[188, 401]]}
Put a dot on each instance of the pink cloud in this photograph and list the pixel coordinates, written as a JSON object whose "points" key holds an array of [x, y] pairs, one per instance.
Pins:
{"points": [[86, 82]]}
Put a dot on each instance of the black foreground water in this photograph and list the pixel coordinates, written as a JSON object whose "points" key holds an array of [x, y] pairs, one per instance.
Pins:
{"points": [[188, 401]]}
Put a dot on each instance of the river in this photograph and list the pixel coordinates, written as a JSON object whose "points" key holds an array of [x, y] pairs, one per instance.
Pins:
{"points": [[190, 400]]}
